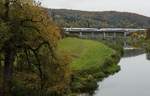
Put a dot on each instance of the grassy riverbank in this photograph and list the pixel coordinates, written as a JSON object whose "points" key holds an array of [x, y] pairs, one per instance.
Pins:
{"points": [[90, 61]]}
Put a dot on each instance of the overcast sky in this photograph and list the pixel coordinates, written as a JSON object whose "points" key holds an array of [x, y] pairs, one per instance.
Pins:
{"points": [[136, 6]]}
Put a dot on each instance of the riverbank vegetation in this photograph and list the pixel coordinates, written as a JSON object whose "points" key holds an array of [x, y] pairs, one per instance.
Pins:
{"points": [[148, 43], [90, 61]]}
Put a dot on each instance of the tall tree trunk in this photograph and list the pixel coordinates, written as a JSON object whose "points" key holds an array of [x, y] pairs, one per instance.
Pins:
{"points": [[9, 54]]}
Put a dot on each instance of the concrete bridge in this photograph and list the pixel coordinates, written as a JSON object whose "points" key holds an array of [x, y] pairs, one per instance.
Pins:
{"points": [[102, 33]]}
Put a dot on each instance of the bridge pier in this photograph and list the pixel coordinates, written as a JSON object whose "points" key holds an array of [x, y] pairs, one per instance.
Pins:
{"points": [[114, 35], [104, 35], [125, 34], [92, 34], [81, 34]]}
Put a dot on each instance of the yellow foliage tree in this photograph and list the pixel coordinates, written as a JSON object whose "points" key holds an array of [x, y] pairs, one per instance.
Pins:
{"points": [[29, 37]]}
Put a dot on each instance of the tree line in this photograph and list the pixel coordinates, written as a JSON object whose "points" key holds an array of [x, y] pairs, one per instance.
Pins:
{"points": [[76, 18]]}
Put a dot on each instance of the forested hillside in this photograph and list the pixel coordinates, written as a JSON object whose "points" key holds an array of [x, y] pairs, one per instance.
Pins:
{"points": [[75, 18]]}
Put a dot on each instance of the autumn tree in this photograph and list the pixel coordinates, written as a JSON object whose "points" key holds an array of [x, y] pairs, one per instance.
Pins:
{"points": [[28, 36]]}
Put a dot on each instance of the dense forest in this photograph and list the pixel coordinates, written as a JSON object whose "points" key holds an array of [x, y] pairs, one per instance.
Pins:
{"points": [[75, 18]]}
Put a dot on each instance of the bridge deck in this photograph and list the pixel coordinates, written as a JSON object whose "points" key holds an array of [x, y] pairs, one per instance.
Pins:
{"points": [[101, 33]]}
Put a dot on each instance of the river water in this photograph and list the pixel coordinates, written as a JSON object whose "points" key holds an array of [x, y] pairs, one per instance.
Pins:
{"points": [[132, 80]]}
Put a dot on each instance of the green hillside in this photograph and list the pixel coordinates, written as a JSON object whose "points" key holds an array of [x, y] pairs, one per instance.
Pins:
{"points": [[75, 18], [86, 53], [91, 61]]}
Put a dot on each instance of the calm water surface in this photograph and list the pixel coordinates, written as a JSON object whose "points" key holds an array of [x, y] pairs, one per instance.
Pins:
{"points": [[132, 80]]}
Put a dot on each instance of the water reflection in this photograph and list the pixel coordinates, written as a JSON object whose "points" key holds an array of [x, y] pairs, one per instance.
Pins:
{"points": [[133, 52], [148, 55], [132, 80]]}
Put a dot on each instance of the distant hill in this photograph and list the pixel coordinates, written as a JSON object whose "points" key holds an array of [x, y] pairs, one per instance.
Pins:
{"points": [[75, 18]]}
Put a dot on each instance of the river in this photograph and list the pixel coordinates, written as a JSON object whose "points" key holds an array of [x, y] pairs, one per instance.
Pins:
{"points": [[132, 80]]}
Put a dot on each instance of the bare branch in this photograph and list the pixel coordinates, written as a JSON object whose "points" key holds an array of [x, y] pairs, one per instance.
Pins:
{"points": [[38, 65], [30, 20], [27, 57]]}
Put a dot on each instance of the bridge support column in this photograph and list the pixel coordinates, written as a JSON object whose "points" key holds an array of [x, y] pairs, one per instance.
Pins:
{"points": [[125, 41], [81, 34], [93, 35], [104, 35], [114, 35], [67, 32], [125, 35]]}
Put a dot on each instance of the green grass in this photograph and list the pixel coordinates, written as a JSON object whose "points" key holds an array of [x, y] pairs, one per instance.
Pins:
{"points": [[86, 54], [90, 61]]}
